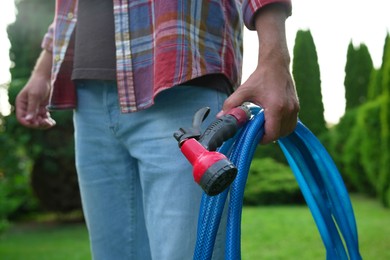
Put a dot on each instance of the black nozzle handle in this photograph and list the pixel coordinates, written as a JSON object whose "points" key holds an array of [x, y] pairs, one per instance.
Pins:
{"points": [[225, 127], [219, 131]]}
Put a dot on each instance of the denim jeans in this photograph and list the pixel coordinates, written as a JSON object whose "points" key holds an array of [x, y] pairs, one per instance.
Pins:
{"points": [[138, 194]]}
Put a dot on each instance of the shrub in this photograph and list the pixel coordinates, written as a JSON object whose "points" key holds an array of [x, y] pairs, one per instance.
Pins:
{"points": [[352, 160], [337, 145], [370, 128], [37, 164], [271, 183], [15, 192]]}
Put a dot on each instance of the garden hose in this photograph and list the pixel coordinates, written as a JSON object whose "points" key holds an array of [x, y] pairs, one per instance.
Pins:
{"points": [[317, 176]]}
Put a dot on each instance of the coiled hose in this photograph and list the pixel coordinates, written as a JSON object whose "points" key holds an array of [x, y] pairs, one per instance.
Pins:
{"points": [[317, 177]]}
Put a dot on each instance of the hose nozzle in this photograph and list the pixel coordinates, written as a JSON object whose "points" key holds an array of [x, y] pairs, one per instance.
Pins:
{"points": [[211, 169]]}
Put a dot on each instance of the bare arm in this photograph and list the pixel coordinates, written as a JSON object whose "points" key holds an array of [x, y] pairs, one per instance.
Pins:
{"points": [[32, 100], [271, 85]]}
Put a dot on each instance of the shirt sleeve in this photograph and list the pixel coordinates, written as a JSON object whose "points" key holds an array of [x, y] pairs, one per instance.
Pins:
{"points": [[251, 7], [47, 42]]}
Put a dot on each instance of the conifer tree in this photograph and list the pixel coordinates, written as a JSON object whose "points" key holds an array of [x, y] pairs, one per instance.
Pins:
{"points": [[358, 70], [374, 86], [306, 74], [384, 177]]}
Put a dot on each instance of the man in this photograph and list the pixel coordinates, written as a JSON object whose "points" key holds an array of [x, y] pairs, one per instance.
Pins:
{"points": [[139, 70]]}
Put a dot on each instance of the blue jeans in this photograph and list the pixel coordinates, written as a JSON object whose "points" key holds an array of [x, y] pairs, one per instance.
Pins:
{"points": [[138, 194]]}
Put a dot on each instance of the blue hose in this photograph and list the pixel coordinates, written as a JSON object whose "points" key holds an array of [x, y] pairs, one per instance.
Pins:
{"points": [[317, 176]]}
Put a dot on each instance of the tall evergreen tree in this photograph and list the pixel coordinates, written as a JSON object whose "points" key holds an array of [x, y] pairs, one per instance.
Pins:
{"points": [[384, 177], [306, 74], [374, 86], [358, 70], [361, 141]]}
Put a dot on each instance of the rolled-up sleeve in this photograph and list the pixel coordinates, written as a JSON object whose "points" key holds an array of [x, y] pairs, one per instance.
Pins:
{"points": [[251, 7], [47, 42]]}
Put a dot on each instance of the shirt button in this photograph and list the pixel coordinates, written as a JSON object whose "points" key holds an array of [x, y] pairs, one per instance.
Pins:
{"points": [[70, 16]]}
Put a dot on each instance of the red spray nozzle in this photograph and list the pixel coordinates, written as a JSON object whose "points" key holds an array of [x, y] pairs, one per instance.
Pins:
{"points": [[211, 170]]}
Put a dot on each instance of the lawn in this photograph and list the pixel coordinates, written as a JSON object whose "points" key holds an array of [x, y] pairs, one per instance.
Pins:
{"points": [[290, 232], [282, 232], [45, 241]]}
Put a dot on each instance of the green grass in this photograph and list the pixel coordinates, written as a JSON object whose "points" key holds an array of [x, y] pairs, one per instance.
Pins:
{"points": [[290, 232], [278, 232], [45, 242]]}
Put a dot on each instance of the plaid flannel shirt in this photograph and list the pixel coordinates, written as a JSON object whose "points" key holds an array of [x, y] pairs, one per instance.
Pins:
{"points": [[159, 44]]}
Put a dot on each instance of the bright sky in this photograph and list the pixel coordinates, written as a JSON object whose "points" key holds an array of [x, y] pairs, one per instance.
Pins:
{"points": [[333, 25], [7, 16]]}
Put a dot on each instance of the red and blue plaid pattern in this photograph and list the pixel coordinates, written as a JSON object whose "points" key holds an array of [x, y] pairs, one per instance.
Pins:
{"points": [[161, 43]]}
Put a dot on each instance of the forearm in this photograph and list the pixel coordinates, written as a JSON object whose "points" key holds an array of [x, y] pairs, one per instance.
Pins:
{"points": [[32, 99], [43, 65], [271, 31]]}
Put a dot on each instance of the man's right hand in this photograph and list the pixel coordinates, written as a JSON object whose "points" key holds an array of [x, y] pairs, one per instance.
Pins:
{"points": [[32, 100]]}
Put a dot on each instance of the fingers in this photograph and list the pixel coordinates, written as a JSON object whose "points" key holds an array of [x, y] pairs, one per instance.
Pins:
{"points": [[272, 129], [280, 117], [277, 126], [40, 121], [281, 107], [235, 100], [22, 101], [43, 119], [30, 112]]}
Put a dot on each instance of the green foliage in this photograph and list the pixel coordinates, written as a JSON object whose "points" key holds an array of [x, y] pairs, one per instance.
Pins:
{"points": [[360, 143], [306, 74], [52, 175], [24, 175], [375, 85], [26, 153], [271, 183], [370, 128], [271, 150], [15, 165], [357, 75], [352, 159], [355, 146], [25, 34], [15, 194], [386, 50], [339, 135], [384, 176]]}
